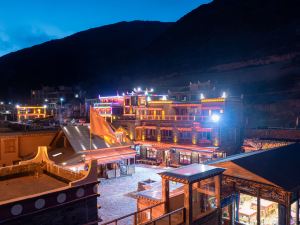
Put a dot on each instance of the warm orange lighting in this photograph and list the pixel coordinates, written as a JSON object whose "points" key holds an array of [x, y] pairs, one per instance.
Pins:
{"points": [[207, 100]]}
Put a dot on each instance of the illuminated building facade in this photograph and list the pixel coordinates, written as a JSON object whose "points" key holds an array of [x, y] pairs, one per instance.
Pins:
{"points": [[111, 108], [62, 101], [178, 117], [31, 112]]}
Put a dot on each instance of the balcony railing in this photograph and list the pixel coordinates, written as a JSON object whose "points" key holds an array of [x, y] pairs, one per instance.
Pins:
{"points": [[176, 217], [173, 117], [136, 217]]}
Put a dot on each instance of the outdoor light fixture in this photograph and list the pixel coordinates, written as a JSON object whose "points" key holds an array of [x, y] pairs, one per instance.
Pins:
{"points": [[45, 106], [224, 95], [1, 103], [76, 96], [46, 100], [201, 96], [17, 106], [151, 90], [164, 98], [215, 118], [139, 89], [61, 99], [148, 99]]}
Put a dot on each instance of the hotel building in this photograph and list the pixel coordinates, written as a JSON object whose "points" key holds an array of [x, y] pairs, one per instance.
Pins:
{"points": [[186, 117]]}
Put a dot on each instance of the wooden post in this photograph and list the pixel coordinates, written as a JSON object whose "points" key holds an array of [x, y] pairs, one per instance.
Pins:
{"points": [[297, 211], [281, 214], [188, 203], [258, 208], [231, 213], [165, 194], [288, 210], [218, 197], [237, 206]]}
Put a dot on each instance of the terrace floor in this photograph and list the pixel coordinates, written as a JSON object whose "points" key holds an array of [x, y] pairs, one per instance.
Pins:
{"points": [[27, 185]]}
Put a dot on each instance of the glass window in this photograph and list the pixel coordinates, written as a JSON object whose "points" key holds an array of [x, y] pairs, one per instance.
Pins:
{"points": [[151, 154], [185, 158], [204, 197]]}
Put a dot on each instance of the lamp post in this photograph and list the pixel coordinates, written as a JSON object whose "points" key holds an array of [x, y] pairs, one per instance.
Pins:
{"points": [[60, 111], [216, 119]]}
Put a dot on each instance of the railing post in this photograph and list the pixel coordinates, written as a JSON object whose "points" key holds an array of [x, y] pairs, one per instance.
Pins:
{"points": [[150, 214], [135, 219], [170, 219]]}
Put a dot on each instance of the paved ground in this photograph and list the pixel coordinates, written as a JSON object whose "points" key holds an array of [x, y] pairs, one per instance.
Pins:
{"points": [[114, 199]]}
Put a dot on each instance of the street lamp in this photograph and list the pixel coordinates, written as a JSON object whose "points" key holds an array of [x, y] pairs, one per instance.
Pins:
{"points": [[215, 118], [61, 101]]}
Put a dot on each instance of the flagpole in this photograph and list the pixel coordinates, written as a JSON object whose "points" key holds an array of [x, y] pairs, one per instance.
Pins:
{"points": [[90, 130]]}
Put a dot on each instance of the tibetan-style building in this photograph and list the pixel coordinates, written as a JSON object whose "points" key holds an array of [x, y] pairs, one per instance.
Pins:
{"points": [[74, 146], [38, 192], [192, 116]]}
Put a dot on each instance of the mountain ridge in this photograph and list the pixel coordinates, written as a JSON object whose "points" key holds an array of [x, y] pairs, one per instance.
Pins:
{"points": [[226, 41]]}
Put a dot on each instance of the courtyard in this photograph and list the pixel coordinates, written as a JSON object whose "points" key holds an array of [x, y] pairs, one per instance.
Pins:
{"points": [[117, 194]]}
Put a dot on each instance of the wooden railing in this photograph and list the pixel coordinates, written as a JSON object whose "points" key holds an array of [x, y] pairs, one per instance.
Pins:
{"points": [[134, 216], [176, 217], [227, 222]]}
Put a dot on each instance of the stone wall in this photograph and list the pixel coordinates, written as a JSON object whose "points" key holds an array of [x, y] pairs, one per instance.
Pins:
{"points": [[18, 170]]}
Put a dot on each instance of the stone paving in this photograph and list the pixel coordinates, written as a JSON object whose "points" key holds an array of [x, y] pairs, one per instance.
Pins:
{"points": [[114, 199]]}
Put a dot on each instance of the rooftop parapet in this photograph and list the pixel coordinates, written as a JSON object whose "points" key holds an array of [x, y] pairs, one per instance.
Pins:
{"points": [[38, 184]]}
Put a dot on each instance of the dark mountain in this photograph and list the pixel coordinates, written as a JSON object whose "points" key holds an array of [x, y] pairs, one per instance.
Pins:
{"points": [[78, 59], [231, 40], [249, 46]]}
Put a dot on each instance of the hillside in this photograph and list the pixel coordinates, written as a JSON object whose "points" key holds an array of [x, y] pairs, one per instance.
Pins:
{"points": [[83, 58], [216, 39], [246, 46]]}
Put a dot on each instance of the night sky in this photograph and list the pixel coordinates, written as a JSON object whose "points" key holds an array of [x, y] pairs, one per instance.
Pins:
{"points": [[30, 22]]}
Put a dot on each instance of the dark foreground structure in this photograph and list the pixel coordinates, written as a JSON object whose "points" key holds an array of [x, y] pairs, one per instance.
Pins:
{"points": [[39, 192]]}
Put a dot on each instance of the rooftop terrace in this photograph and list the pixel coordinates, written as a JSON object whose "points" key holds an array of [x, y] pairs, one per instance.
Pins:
{"points": [[28, 185]]}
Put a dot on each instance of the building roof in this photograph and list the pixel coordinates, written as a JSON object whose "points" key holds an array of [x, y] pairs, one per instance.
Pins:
{"points": [[279, 166], [192, 173], [81, 146], [80, 139]]}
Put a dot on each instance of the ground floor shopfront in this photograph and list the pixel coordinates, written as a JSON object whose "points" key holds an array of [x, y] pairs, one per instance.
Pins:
{"points": [[174, 155]]}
